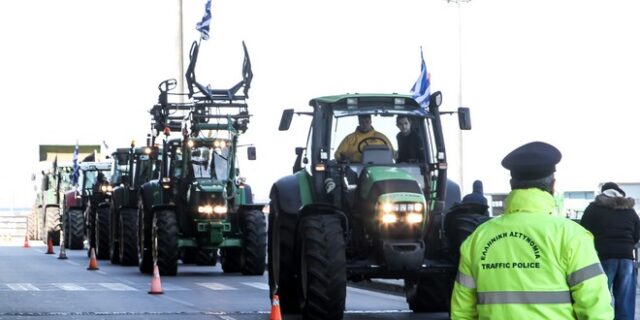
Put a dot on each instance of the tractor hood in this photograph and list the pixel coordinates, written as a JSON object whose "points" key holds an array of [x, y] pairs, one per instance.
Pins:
{"points": [[207, 185], [377, 181]]}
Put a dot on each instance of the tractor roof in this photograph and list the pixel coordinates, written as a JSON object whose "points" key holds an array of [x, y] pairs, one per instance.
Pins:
{"points": [[374, 103]]}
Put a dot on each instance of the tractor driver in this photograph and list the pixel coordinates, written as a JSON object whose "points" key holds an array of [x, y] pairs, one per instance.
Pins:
{"points": [[351, 146]]}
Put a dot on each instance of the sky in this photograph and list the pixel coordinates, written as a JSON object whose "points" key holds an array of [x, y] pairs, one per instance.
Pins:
{"points": [[563, 72]]}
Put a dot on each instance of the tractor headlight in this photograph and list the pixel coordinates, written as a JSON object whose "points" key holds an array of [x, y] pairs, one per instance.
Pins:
{"points": [[387, 207], [220, 210], [205, 209], [389, 218], [414, 217], [166, 182], [105, 188]]}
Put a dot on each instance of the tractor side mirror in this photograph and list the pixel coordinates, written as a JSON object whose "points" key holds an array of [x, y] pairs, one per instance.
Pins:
{"points": [[251, 153], [464, 118], [436, 98], [285, 121]]}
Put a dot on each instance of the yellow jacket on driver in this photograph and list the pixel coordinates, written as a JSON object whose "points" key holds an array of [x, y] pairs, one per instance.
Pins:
{"points": [[348, 148]]}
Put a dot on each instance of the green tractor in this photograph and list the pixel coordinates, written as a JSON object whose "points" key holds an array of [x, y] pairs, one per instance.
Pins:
{"points": [[53, 183], [334, 221], [86, 208], [131, 168], [199, 205]]}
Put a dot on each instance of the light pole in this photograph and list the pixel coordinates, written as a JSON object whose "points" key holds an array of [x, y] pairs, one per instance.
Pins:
{"points": [[460, 140]]}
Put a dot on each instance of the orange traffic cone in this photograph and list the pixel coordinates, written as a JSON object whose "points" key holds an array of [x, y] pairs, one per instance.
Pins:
{"points": [[50, 246], [156, 286], [275, 308], [93, 262], [26, 241]]}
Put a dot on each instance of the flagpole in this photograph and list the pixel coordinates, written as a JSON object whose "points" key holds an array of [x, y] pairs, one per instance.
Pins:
{"points": [[181, 48], [460, 136]]}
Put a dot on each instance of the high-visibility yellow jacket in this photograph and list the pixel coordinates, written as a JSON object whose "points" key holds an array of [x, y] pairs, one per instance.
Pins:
{"points": [[529, 264], [348, 148]]}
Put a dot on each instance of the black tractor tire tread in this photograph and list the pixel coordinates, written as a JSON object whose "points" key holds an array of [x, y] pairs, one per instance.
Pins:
{"points": [[128, 242], [75, 228], [323, 250], [52, 225], [114, 234], [102, 233], [254, 237], [165, 238], [32, 227], [230, 259], [285, 229], [145, 226], [430, 293]]}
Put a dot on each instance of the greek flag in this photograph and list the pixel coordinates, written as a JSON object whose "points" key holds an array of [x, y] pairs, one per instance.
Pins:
{"points": [[203, 26], [76, 167], [421, 90]]}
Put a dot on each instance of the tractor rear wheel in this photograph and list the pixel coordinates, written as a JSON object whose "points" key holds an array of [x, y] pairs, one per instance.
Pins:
{"points": [[52, 225], [145, 222], [128, 237], [114, 234], [188, 255], [323, 267], [74, 227], [458, 227], [280, 255], [254, 238], [102, 231], [165, 242], [32, 224], [231, 259], [429, 293]]}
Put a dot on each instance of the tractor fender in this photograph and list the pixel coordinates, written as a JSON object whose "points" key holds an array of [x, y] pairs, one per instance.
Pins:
{"points": [[452, 195], [70, 200], [253, 206], [146, 192], [117, 197], [52, 206], [287, 192]]}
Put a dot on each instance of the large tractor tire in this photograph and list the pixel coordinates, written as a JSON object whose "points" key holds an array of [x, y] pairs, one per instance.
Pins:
{"points": [[231, 259], [430, 293], [165, 242], [33, 229], [102, 233], [52, 225], [254, 239], [90, 220], [281, 258], [145, 221], [323, 267], [458, 227], [114, 234], [74, 228], [128, 237]]}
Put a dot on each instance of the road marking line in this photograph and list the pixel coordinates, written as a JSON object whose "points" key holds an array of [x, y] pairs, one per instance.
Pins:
{"points": [[72, 262], [179, 301], [69, 287], [117, 286], [259, 285], [22, 287], [102, 273], [376, 294], [227, 318], [215, 286]]}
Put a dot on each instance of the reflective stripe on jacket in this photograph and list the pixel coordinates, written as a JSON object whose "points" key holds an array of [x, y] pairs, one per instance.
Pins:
{"points": [[349, 145], [529, 264]]}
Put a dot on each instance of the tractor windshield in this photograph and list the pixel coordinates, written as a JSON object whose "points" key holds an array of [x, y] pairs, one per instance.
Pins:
{"points": [[210, 163]]}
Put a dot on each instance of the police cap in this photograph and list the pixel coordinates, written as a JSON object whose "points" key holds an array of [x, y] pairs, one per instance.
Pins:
{"points": [[532, 161]]}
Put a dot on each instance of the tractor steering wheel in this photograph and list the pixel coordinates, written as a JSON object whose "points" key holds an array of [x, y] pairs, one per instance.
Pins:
{"points": [[365, 142]]}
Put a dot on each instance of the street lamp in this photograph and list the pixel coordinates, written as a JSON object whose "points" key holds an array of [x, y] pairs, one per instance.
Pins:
{"points": [[460, 142]]}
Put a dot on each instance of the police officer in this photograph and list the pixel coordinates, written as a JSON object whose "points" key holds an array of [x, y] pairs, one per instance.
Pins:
{"points": [[528, 263]]}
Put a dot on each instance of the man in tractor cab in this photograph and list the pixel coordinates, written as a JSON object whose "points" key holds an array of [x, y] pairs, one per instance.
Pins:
{"points": [[350, 149], [410, 145]]}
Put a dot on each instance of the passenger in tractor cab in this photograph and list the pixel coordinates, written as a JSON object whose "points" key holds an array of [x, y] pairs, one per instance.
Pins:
{"points": [[350, 149], [410, 144]]}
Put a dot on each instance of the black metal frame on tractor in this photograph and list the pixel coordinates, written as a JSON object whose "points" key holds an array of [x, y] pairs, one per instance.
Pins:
{"points": [[333, 221], [200, 205]]}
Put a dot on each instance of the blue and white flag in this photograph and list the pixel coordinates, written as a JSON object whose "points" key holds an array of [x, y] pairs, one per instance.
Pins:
{"points": [[421, 90], [203, 26], [76, 167]]}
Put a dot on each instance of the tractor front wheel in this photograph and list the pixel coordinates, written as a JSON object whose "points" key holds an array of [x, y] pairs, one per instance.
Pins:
{"points": [[429, 293], [165, 242], [101, 233], [128, 237], [254, 238], [74, 227]]}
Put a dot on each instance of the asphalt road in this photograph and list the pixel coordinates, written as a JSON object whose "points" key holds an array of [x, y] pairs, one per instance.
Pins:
{"points": [[34, 285]]}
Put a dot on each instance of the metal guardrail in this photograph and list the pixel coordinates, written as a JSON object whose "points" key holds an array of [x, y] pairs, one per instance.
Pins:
{"points": [[12, 227]]}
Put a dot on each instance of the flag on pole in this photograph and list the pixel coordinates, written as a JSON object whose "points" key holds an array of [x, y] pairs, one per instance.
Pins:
{"points": [[421, 90], [76, 167], [203, 26]]}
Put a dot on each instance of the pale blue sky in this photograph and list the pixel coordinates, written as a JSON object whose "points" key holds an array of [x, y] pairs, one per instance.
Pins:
{"points": [[564, 72]]}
